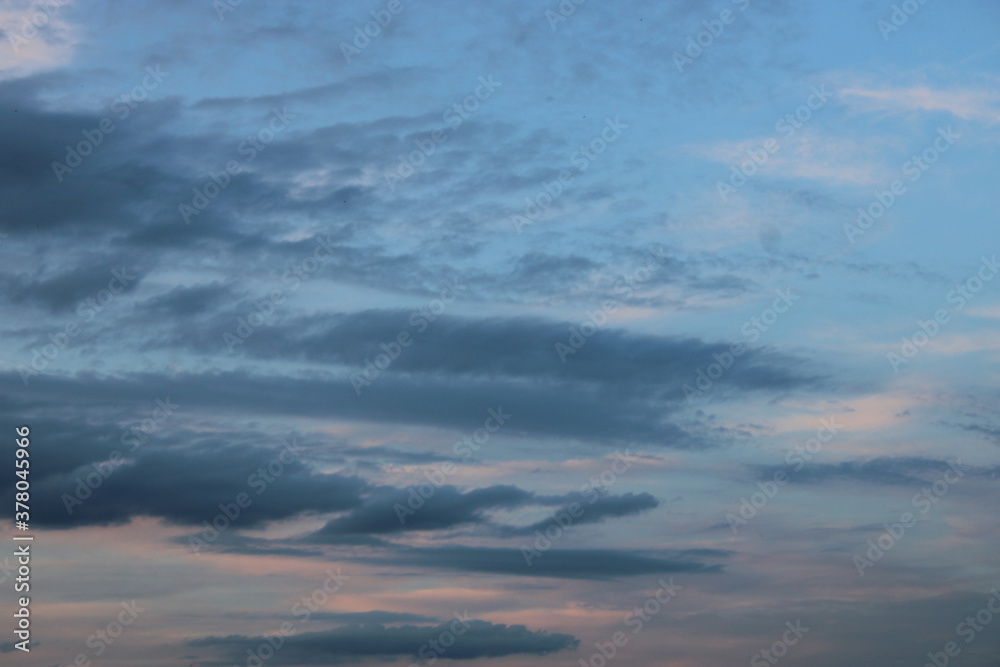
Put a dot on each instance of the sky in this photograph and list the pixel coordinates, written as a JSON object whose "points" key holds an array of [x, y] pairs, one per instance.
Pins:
{"points": [[510, 333]]}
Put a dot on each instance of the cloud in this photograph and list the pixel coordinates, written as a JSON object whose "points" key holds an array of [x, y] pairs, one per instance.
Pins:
{"points": [[448, 507], [552, 563], [390, 510], [471, 639], [515, 348], [369, 617], [809, 154], [37, 36], [188, 487], [973, 104], [62, 291], [593, 564], [594, 511], [988, 431], [183, 302], [911, 471], [620, 387]]}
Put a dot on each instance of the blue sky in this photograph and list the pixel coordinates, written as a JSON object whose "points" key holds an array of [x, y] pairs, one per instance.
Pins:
{"points": [[615, 248]]}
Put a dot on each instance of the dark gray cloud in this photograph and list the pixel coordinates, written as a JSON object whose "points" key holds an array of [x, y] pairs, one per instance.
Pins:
{"points": [[594, 564], [543, 269], [522, 347], [617, 387], [62, 291], [188, 488], [130, 187], [456, 403], [181, 303], [448, 507], [102, 192], [988, 431], [598, 510], [472, 639], [376, 617], [545, 561], [390, 510], [538, 408], [909, 471]]}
